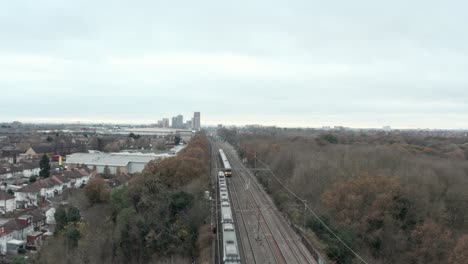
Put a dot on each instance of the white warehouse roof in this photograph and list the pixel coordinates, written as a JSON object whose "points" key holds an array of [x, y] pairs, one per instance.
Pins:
{"points": [[109, 159]]}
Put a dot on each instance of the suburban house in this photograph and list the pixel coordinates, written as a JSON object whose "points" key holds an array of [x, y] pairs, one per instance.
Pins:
{"points": [[63, 181], [15, 233], [37, 192], [117, 163], [29, 153], [39, 223], [23, 169], [10, 154], [77, 176], [24, 226], [41, 190], [7, 202], [39, 219], [39, 150], [7, 227]]}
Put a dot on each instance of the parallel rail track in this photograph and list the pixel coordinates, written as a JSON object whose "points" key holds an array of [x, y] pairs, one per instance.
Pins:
{"points": [[297, 250], [273, 244], [233, 193]]}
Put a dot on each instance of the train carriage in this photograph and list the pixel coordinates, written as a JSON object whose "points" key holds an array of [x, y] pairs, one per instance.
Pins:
{"points": [[221, 175], [224, 196], [226, 165], [226, 213], [230, 248]]}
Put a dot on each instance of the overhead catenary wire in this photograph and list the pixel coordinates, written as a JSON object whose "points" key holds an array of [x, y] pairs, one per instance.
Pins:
{"points": [[312, 211]]}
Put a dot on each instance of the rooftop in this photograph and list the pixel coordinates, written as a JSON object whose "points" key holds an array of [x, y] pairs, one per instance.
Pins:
{"points": [[6, 196], [110, 159]]}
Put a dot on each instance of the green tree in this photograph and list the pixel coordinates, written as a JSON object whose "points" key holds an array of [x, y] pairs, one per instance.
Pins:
{"points": [[73, 214], [73, 236], [177, 140], [32, 178], [134, 136], [61, 219], [106, 172], [18, 260], [180, 201], [119, 200], [44, 165], [330, 138]]}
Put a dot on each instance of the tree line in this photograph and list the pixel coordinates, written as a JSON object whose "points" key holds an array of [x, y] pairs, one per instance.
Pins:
{"points": [[390, 203], [157, 216]]}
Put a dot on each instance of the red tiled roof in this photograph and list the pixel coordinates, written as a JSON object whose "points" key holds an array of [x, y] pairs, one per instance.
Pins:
{"points": [[38, 185], [6, 196], [11, 226], [75, 173], [37, 215], [57, 179], [61, 179]]}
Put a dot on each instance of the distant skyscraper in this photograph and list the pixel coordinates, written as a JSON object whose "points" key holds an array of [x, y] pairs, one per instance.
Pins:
{"points": [[178, 122], [189, 123], [196, 121], [165, 122]]}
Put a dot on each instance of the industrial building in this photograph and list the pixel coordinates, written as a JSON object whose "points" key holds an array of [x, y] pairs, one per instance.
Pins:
{"points": [[116, 162]]}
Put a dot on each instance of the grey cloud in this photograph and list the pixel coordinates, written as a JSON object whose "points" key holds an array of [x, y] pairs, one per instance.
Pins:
{"points": [[359, 62]]}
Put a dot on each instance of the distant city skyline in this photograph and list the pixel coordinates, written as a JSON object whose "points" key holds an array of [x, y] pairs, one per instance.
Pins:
{"points": [[211, 123], [295, 64]]}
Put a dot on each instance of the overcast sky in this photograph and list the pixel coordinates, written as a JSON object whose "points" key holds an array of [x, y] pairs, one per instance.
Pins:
{"points": [[289, 63]]}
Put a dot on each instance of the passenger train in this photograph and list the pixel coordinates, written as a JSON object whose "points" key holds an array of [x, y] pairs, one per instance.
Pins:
{"points": [[230, 246], [226, 166], [231, 250]]}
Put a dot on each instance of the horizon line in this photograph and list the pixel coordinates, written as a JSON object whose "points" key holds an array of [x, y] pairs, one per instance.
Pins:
{"points": [[215, 124]]}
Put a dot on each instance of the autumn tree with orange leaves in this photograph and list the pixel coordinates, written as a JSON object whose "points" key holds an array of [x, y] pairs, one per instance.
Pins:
{"points": [[431, 243], [460, 252], [97, 191], [394, 197], [377, 208]]}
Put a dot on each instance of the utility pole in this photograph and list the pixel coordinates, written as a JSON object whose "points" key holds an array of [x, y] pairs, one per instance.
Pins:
{"points": [[258, 223], [305, 213], [255, 159]]}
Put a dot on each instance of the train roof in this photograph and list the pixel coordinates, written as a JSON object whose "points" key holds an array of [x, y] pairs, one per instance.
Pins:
{"points": [[226, 164], [231, 248], [226, 211], [227, 216], [228, 227]]}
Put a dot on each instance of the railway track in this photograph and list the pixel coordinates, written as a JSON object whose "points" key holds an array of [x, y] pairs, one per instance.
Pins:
{"points": [[285, 247], [236, 220], [253, 251], [214, 167], [273, 244], [300, 253], [249, 251]]}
